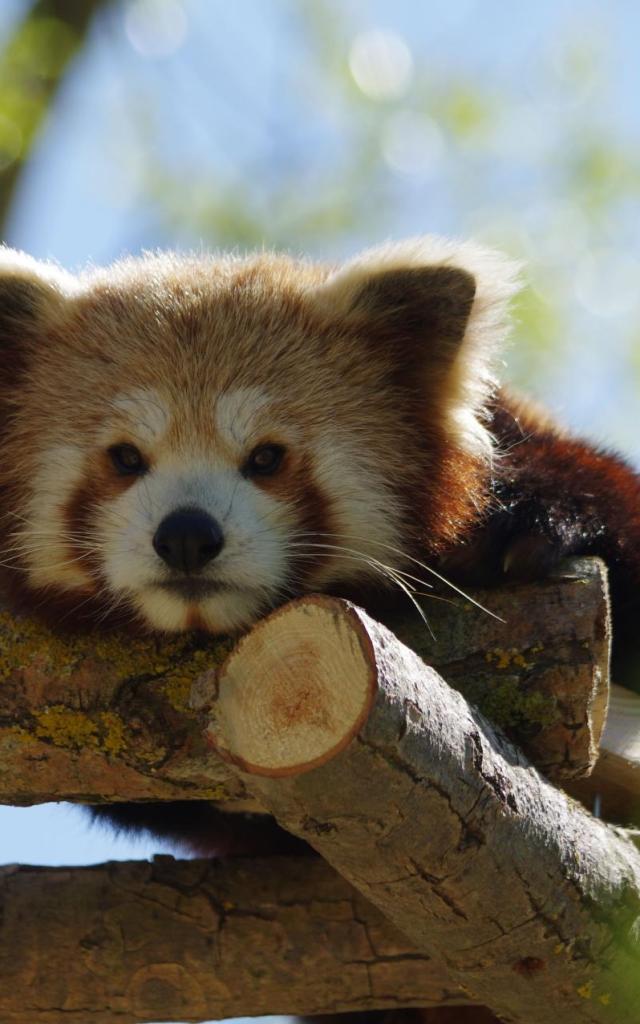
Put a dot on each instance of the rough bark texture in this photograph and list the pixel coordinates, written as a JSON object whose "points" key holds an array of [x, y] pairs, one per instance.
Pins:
{"points": [[91, 718], [438, 820], [114, 718], [195, 940], [541, 673]]}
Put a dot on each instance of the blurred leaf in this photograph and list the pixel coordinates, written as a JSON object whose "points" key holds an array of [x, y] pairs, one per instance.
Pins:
{"points": [[465, 111]]}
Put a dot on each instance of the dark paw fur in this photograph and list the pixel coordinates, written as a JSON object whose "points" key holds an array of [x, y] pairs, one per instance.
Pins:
{"points": [[530, 557], [502, 553]]}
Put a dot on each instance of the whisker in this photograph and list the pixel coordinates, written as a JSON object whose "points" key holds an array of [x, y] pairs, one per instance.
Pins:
{"points": [[340, 547], [386, 572], [416, 561]]}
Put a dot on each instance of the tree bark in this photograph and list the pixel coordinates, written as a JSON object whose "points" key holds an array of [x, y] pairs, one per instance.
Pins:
{"points": [[195, 940], [539, 668], [106, 718], [418, 801]]}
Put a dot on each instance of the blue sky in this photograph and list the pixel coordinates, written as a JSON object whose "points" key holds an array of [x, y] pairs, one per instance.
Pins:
{"points": [[241, 100]]}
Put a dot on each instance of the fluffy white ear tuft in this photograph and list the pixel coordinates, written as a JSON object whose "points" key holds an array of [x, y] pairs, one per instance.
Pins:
{"points": [[32, 294], [439, 309]]}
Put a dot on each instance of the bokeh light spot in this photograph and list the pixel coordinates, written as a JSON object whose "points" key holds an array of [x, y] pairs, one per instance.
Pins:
{"points": [[381, 64], [155, 28], [412, 144]]}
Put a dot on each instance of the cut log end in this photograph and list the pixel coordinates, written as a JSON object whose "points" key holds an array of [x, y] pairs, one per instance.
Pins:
{"points": [[295, 693]]}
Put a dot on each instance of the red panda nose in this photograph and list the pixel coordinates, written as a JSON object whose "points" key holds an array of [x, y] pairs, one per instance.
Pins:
{"points": [[188, 539]]}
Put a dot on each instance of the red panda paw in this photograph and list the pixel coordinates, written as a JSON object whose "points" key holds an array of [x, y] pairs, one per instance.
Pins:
{"points": [[530, 556], [499, 554]]}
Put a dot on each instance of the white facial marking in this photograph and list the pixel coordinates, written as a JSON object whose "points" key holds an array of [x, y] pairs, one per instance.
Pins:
{"points": [[237, 413], [365, 514], [145, 411], [46, 538]]}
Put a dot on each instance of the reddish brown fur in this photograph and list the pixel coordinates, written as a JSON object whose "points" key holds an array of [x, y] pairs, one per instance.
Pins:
{"points": [[384, 369], [373, 353], [126, 326], [390, 358]]}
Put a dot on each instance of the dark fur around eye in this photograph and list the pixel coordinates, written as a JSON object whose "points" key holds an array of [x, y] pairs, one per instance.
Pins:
{"points": [[127, 460], [265, 460]]}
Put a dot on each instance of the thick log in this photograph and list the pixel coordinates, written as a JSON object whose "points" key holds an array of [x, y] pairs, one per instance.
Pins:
{"points": [[198, 940], [417, 800], [94, 717], [540, 670], [106, 718]]}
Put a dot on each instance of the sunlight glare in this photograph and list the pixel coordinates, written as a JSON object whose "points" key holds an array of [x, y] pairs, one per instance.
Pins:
{"points": [[381, 64]]}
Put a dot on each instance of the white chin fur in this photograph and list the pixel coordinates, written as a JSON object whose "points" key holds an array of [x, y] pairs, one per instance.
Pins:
{"points": [[224, 613]]}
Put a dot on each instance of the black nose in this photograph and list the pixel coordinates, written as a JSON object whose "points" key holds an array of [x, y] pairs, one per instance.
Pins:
{"points": [[188, 539]]}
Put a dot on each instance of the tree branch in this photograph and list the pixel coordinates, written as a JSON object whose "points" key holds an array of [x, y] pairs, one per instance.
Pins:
{"points": [[33, 67], [194, 940], [515, 896], [418, 801], [104, 718]]}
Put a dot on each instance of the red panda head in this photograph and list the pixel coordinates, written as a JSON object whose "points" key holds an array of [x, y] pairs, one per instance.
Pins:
{"points": [[189, 441]]}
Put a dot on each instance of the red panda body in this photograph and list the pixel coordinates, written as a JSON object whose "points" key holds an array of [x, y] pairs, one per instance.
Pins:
{"points": [[554, 496], [188, 442]]}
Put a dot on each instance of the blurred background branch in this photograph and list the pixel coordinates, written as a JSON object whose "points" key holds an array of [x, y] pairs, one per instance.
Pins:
{"points": [[32, 67]]}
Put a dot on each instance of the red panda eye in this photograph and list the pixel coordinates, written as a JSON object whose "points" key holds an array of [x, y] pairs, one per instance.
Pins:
{"points": [[127, 459], [265, 460]]}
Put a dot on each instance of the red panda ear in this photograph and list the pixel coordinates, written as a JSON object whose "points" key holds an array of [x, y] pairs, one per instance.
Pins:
{"points": [[32, 297], [421, 296], [420, 312], [436, 312]]}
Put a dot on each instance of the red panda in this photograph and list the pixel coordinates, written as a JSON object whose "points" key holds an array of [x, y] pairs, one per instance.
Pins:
{"points": [[189, 441]]}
